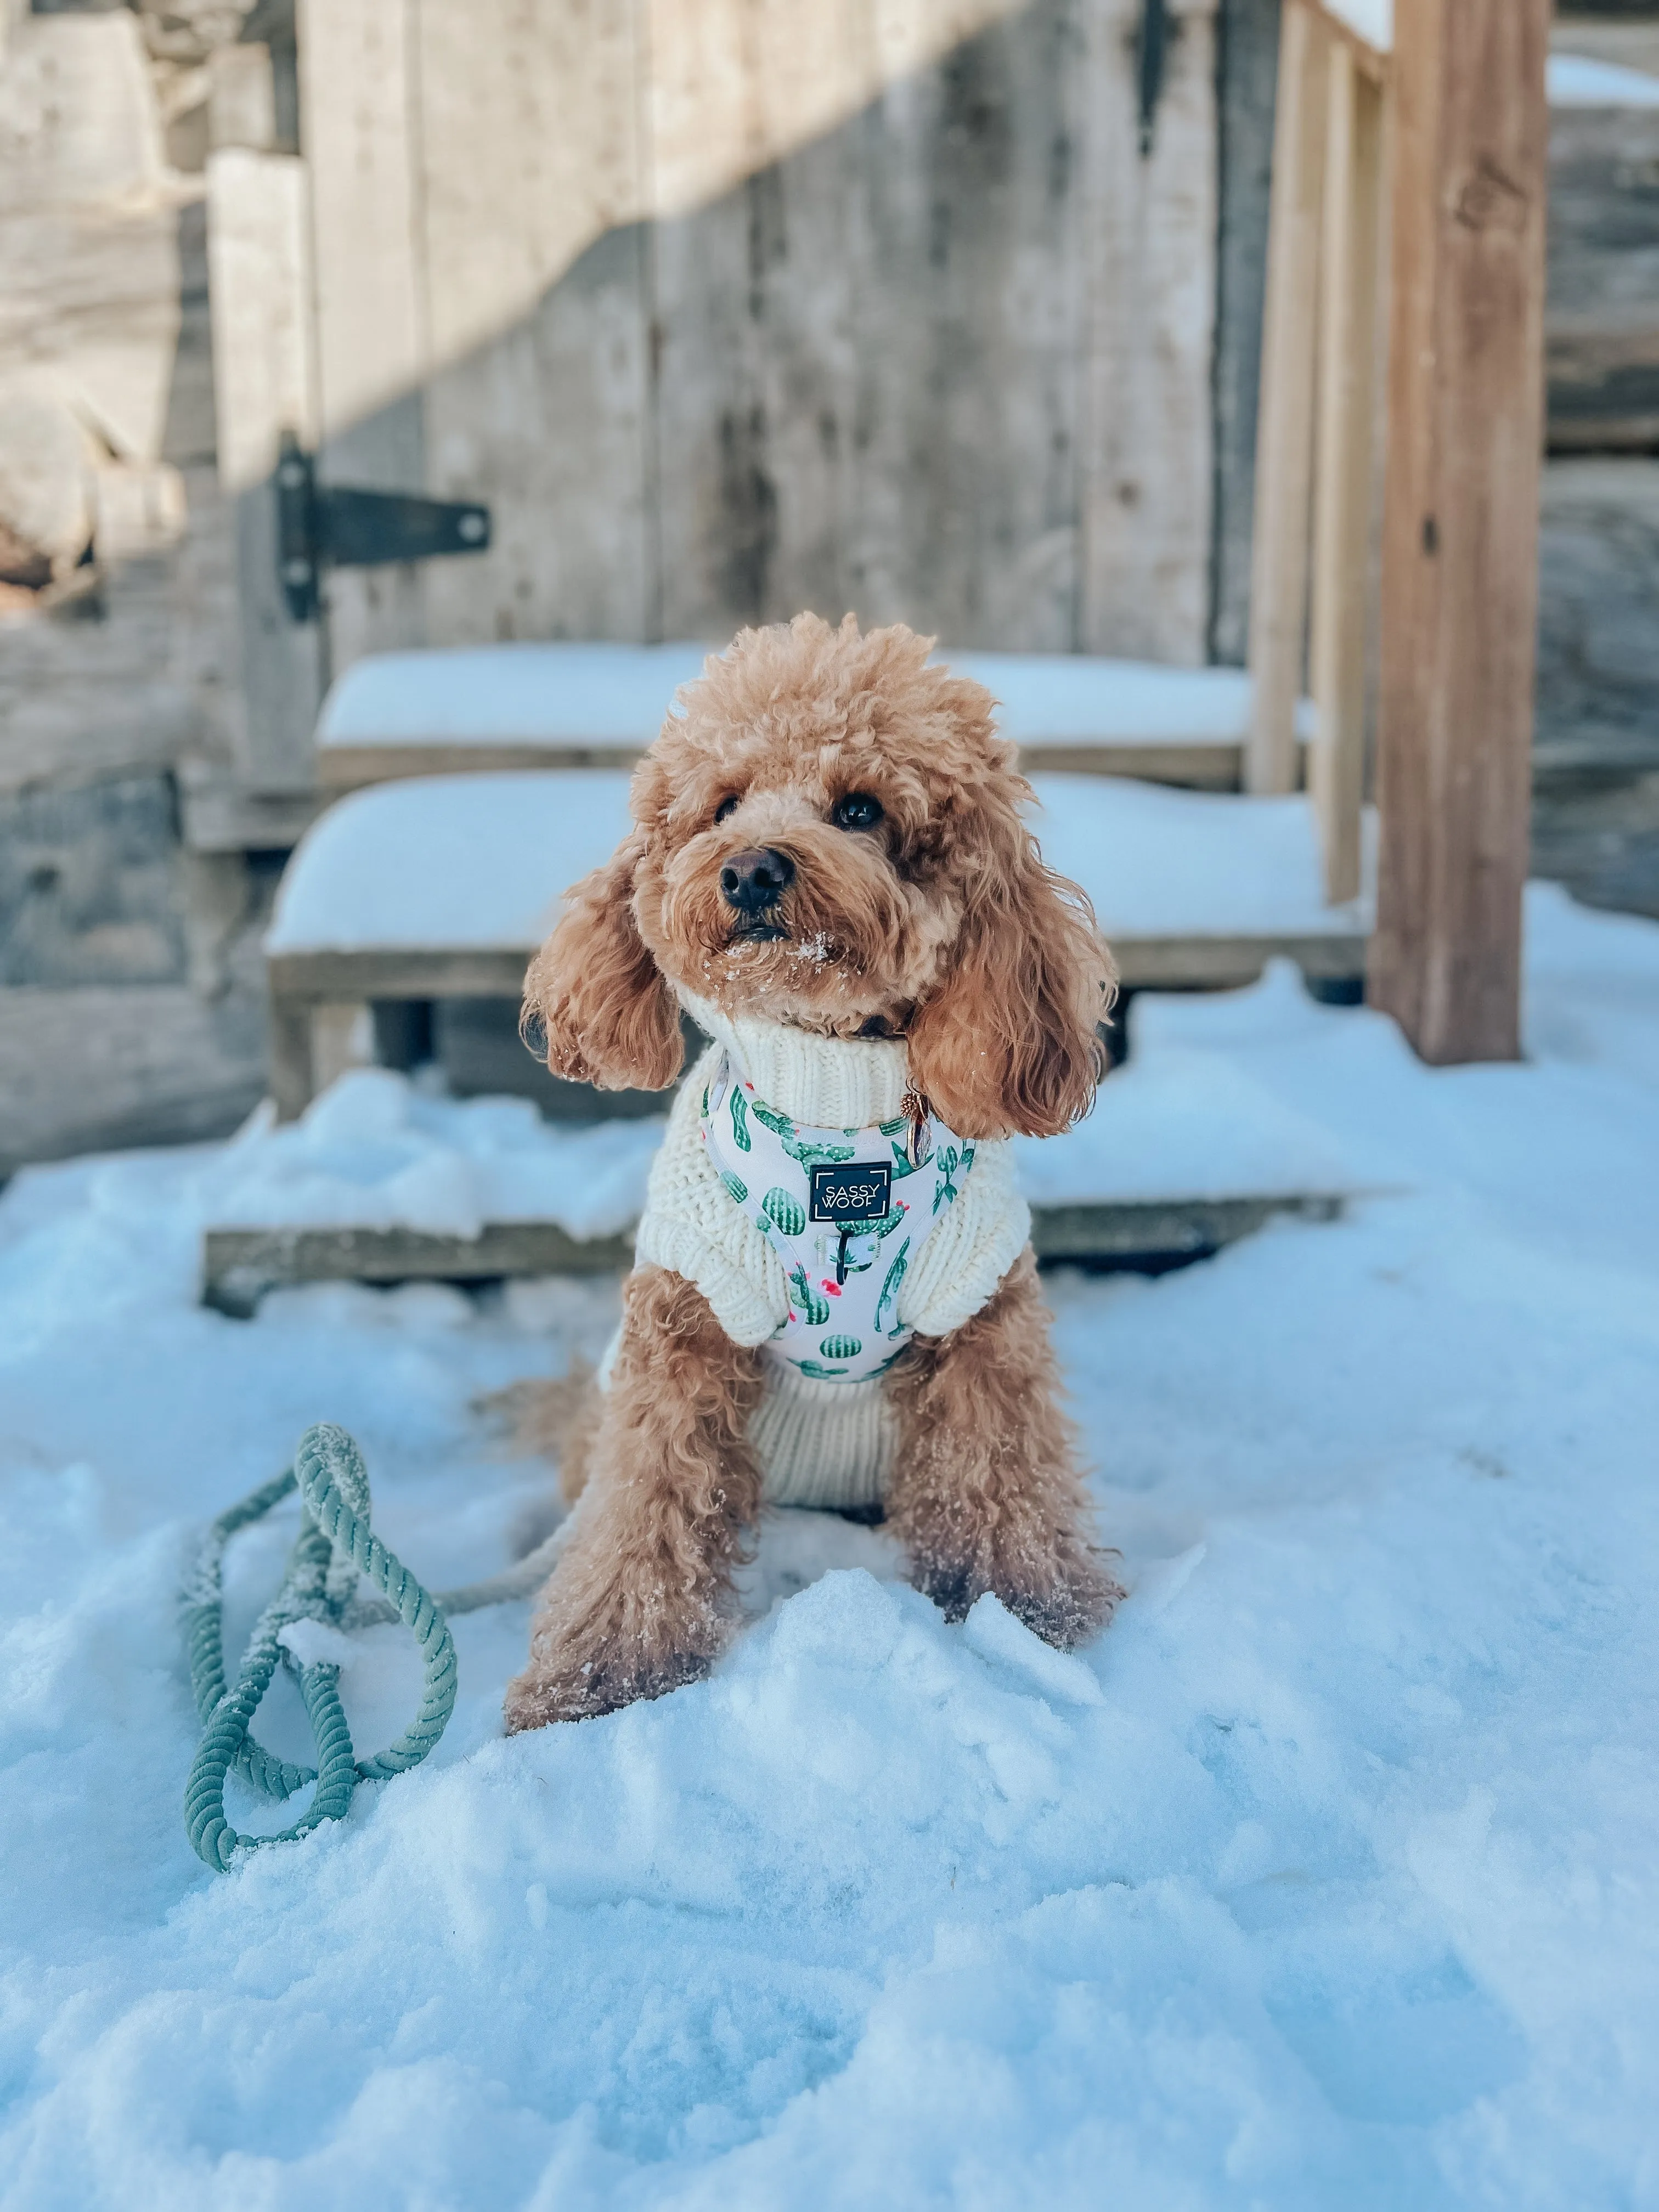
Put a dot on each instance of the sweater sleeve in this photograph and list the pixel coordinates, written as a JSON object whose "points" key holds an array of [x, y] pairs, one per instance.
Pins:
{"points": [[984, 1232], [691, 1226]]}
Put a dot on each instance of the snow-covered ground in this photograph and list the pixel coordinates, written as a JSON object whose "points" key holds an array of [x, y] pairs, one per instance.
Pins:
{"points": [[1325, 1878]]}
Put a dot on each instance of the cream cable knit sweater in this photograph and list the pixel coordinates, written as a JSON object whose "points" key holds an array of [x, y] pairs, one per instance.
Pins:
{"points": [[821, 1443], [691, 1225]]}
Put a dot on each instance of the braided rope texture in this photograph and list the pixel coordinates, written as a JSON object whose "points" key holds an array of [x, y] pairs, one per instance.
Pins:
{"points": [[336, 1546]]}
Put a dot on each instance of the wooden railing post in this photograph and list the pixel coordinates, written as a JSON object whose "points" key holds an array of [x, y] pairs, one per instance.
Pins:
{"points": [[1278, 562], [1460, 542], [1348, 302]]}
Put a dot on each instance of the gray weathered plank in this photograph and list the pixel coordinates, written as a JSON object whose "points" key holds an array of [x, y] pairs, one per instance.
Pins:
{"points": [[240, 1265], [533, 180], [1148, 260], [361, 95], [258, 249], [1200, 765], [1285, 429], [1246, 64], [868, 388], [1170, 961]]}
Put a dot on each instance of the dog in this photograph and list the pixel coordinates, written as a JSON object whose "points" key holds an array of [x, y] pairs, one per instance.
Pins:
{"points": [[828, 869]]}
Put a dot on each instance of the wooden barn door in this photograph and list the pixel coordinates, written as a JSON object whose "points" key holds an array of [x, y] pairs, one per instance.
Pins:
{"points": [[732, 308]]}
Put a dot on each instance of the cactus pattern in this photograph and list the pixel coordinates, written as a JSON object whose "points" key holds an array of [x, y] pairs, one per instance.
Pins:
{"points": [[740, 1136], [819, 1373], [814, 1155], [890, 1289], [785, 1210], [902, 1163], [737, 1190], [797, 1146], [950, 1160], [840, 1347], [812, 1303]]}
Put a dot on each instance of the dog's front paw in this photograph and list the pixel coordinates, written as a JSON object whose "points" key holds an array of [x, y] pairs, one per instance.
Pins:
{"points": [[1064, 1608], [539, 1697], [565, 1685], [1071, 1608]]}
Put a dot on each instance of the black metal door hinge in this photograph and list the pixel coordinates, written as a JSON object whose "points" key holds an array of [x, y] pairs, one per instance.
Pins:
{"points": [[335, 526]]}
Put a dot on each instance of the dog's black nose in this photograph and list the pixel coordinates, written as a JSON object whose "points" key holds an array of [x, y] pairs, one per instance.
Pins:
{"points": [[752, 881]]}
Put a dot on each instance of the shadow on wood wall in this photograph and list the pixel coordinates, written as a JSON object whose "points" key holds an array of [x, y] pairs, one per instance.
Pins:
{"points": [[950, 362]]}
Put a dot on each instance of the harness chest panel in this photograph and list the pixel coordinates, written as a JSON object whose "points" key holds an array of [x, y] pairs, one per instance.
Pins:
{"points": [[846, 1210]]}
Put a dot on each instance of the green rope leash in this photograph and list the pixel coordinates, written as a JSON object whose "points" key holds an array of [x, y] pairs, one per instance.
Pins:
{"points": [[336, 1546]]}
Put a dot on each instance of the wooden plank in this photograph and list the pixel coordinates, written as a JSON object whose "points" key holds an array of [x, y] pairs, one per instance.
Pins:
{"points": [[1148, 256], [1340, 599], [1201, 765], [220, 817], [962, 440], [1247, 71], [1284, 466], [1163, 1229], [293, 1068], [350, 768], [1460, 555], [870, 355], [240, 1265], [1216, 963], [417, 972], [360, 98], [259, 252], [533, 178], [1162, 962]]}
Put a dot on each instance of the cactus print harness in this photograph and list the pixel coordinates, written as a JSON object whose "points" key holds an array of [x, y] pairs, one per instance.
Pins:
{"points": [[846, 1211]]}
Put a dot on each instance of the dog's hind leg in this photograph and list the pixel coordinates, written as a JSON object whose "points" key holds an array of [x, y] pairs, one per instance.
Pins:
{"points": [[640, 1599], [986, 1494]]}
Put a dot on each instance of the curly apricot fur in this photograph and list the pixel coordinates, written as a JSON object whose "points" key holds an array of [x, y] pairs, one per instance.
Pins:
{"points": [[940, 924]]}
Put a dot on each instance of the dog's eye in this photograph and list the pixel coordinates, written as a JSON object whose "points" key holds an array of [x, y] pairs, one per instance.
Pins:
{"points": [[857, 810], [727, 806]]}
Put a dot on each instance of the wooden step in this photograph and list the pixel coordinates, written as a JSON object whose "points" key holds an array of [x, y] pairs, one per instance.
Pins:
{"points": [[240, 1265], [491, 709]]}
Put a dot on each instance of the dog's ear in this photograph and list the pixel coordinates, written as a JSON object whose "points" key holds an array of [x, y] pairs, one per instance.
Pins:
{"points": [[595, 1005], [1010, 1040]]}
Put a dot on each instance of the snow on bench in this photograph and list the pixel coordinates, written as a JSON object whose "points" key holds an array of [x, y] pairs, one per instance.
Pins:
{"points": [[382, 1181], [441, 887], [477, 865], [508, 707]]}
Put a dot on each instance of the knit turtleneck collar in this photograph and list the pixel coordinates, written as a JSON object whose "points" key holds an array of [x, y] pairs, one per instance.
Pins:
{"points": [[828, 1083]]}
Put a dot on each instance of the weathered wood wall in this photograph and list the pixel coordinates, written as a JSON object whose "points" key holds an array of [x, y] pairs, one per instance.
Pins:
{"points": [[848, 306]]}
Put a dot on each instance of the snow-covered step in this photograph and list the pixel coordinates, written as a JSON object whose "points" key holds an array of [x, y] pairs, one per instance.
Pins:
{"points": [[506, 707], [442, 886], [382, 1181]]}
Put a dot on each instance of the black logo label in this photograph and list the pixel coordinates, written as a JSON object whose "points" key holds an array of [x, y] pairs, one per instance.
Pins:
{"points": [[849, 1196]]}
